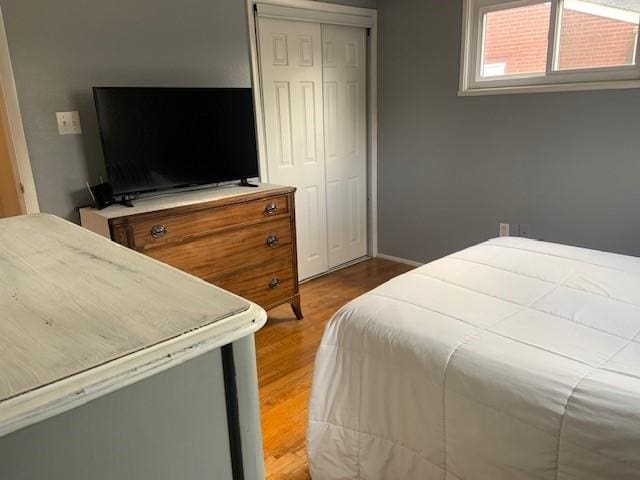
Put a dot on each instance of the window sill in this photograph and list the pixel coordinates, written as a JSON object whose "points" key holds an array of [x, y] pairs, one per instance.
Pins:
{"points": [[548, 88]]}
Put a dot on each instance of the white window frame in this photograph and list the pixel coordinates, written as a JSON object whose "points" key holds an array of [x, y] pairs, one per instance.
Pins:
{"points": [[472, 83]]}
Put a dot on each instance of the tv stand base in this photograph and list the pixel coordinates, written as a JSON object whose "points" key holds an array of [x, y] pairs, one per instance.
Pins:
{"points": [[245, 183], [125, 201]]}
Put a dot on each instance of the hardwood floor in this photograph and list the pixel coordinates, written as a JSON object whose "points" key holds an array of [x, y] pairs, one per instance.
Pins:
{"points": [[286, 349]]}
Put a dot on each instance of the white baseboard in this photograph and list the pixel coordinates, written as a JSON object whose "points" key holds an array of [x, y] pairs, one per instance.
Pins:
{"points": [[413, 263]]}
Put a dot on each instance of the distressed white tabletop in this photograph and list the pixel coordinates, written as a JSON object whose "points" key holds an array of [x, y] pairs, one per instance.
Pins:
{"points": [[81, 316]]}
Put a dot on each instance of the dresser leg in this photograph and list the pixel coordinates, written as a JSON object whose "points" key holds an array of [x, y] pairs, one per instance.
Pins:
{"points": [[297, 307]]}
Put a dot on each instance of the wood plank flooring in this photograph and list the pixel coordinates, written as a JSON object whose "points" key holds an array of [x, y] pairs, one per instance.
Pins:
{"points": [[286, 349]]}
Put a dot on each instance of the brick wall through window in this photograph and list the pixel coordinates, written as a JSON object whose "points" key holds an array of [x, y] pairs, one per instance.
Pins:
{"points": [[516, 40], [593, 41]]}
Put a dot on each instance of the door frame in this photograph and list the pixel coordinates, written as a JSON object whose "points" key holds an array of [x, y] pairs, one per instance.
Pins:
{"points": [[16, 140], [328, 13]]}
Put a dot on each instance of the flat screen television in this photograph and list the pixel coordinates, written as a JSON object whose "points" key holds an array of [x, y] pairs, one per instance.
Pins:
{"points": [[161, 138]]}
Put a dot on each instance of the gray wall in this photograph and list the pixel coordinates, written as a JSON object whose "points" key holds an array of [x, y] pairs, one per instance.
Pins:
{"points": [[61, 49], [452, 168]]}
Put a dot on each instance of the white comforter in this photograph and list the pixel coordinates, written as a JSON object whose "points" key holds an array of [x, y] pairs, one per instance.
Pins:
{"points": [[513, 359]]}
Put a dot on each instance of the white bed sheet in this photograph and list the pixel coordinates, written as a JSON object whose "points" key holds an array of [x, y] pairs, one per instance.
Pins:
{"points": [[512, 359]]}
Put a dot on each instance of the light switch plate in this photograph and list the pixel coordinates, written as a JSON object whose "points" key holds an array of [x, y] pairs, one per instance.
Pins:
{"points": [[69, 123]]}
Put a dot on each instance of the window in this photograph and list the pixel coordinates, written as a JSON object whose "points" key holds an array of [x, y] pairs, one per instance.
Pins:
{"points": [[536, 45], [517, 38]]}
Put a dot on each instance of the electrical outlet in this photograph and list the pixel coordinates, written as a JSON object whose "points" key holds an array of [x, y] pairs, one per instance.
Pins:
{"points": [[504, 229], [69, 123], [524, 230]]}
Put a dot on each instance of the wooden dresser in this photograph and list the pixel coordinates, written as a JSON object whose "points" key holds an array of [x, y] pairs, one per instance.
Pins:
{"points": [[241, 239]]}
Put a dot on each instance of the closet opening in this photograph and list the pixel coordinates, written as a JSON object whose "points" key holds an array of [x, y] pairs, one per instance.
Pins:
{"points": [[315, 94]]}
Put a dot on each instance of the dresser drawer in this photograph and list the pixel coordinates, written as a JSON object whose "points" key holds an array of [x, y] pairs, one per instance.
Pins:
{"points": [[221, 253], [267, 285], [160, 230]]}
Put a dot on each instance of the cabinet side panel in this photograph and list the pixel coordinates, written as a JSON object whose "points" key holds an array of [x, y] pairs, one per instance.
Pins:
{"points": [[95, 223], [170, 426], [244, 353]]}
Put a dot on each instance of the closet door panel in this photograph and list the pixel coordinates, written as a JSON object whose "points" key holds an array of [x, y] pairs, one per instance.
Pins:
{"points": [[345, 126], [291, 69]]}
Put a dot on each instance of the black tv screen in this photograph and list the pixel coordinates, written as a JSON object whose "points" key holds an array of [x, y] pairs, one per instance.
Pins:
{"points": [[161, 138]]}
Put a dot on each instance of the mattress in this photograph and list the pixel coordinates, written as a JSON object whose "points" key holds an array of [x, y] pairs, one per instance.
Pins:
{"points": [[512, 359]]}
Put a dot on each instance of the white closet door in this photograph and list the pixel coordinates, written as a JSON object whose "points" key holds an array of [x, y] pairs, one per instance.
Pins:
{"points": [[291, 70], [345, 126]]}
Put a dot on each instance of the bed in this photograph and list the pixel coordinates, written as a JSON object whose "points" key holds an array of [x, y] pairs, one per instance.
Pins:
{"points": [[512, 359]]}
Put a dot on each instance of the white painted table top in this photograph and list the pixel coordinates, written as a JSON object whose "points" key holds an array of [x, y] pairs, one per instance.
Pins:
{"points": [[81, 316], [180, 199]]}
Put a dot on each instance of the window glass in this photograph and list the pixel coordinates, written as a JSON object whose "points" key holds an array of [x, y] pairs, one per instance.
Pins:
{"points": [[516, 40], [598, 34]]}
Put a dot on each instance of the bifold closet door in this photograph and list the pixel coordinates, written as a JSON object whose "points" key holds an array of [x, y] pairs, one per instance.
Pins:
{"points": [[344, 58], [291, 77]]}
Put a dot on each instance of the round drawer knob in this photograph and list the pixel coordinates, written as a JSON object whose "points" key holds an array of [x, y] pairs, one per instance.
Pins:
{"points": [[272, 240], [158, 231], [274, 283], [271, 209]]}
